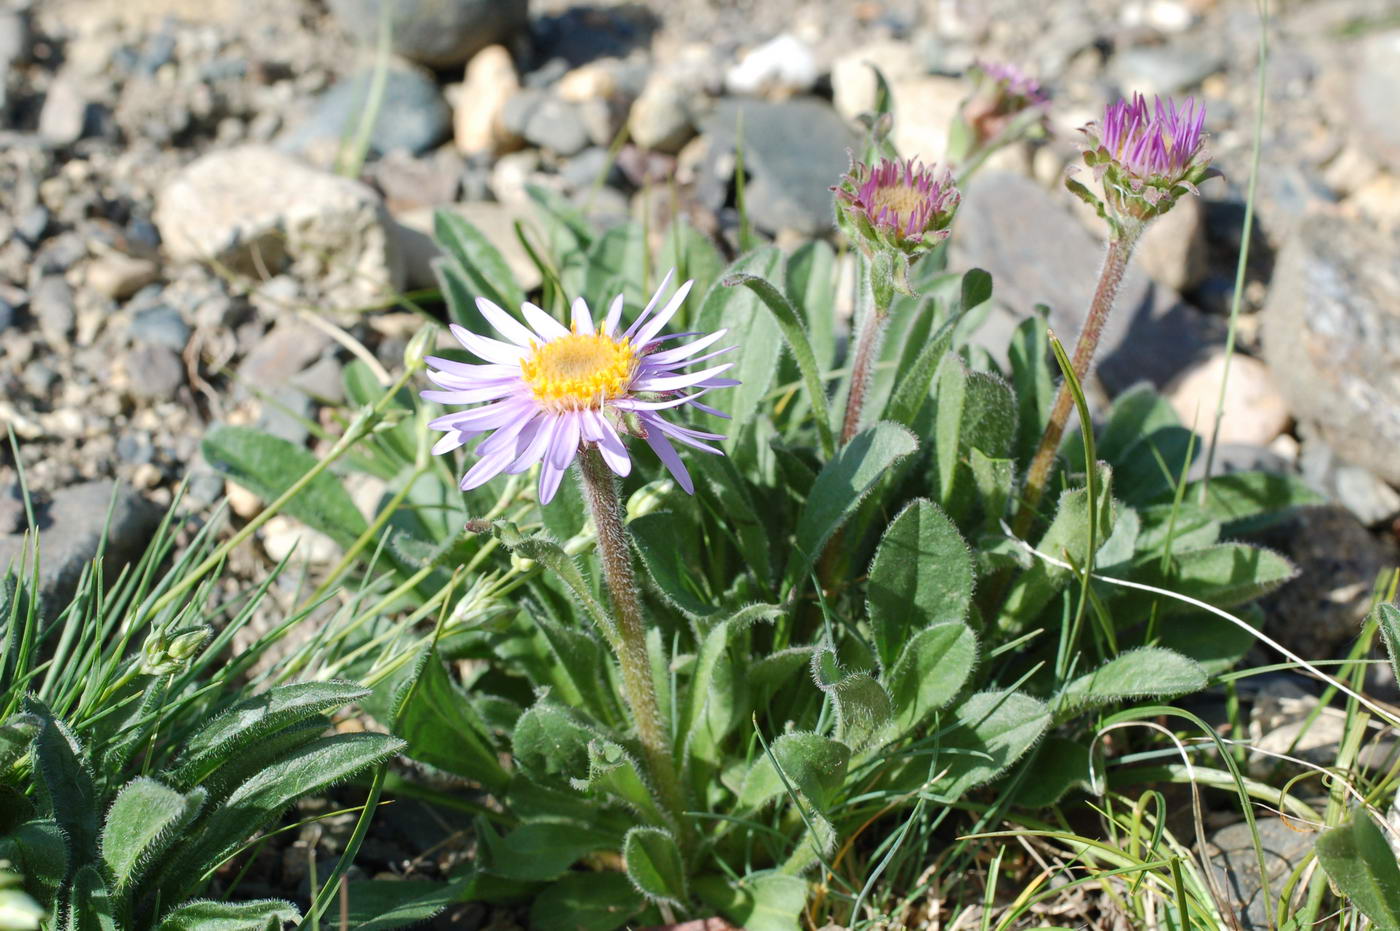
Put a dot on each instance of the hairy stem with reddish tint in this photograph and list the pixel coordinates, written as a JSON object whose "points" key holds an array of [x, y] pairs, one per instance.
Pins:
{"points": [[872, 333], [600, 488], [1120, 249]]}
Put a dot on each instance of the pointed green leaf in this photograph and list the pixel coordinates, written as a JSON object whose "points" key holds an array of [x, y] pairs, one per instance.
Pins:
{"points": [[841, 485], [145, 818], [767, 901], [204, 915], [309, 768], [1147, 672], [487, 273], [1033, 381], [659, 538], [921, 575], [441, 729], [742, 313], [814, 765], [1388, 617], [930, 670], [256, 718], [785, 315], [654, 865], [991, 730], [1246, 502], [269, 465], [1223, 575], [59, 759], [1361, 863]]}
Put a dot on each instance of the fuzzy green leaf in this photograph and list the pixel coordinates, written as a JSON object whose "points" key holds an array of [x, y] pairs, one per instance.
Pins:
{"points": [[1147, 672], [1246, 502], [59, 759], [767, 901], [486, 271], [922, 575], [841, 485], [1060, 765], [813, 764], [585, 902], [1388, 617], [89, 904], [253, 719], [551, 745], [145, 818], [741, 312], [657, 537], [309, 768], [269, 465], [204, 915], [863, 707], [932, 667], [1223, 575], [1361, 863], [1067, 538], [991, 730], [811, 285], [613, 771], [542, 850], [785, 315], [654, 864], [441, 730]]}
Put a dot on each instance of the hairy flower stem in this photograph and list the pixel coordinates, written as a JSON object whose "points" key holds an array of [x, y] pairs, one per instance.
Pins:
{"points": [[1120, 249], [871, 335], [600, 488]]}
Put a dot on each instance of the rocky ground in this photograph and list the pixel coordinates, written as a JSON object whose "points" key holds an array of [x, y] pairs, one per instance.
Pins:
{"points": [[177, 247]]}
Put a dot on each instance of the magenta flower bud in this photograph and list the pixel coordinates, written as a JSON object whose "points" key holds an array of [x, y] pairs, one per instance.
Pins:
{"points": [[1146, 157], [1000, 93], [902, 207]]}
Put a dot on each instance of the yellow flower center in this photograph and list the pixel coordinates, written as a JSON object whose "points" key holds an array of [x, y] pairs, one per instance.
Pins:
{"points": [[579, 371], [900, 199]]}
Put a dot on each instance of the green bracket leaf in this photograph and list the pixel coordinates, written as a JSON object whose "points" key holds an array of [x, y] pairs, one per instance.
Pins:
{"points": [[654, 864]]}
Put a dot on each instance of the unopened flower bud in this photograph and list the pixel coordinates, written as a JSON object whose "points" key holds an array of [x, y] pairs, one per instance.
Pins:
{"points": [[1005, 104], [417, 347], [165, 652], [1145, 157], [901, 207]]}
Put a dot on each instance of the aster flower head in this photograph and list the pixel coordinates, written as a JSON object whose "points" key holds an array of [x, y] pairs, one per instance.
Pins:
{"points": [[1146, 155], [896, 206], [1006, 103], [548, 390]]}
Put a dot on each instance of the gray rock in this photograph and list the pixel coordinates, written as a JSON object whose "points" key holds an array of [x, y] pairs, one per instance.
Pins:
{"points": [[440, 33], [583, 170], [15, 37], [279, 355], [1037, 252], [259, 210], [794, 151], [1235, 864], [1338, 562], [38, 378], [1375, 74], [161, 325], [70, 531], [64, 116], [154, 373], [1350, 486], [33, 224], [51, 303], [1166, 69], [1331, 333], [7, 314], [135, 448], [660, 118], [546, 121], [412, 114]]}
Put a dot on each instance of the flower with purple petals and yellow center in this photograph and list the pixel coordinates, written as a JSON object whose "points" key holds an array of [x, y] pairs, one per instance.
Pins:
{"points": [[900, 206], [1146, 156], [549, 390]]}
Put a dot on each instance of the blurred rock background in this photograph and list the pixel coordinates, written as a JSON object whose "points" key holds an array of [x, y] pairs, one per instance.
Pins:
{"points": [[177, 247]]}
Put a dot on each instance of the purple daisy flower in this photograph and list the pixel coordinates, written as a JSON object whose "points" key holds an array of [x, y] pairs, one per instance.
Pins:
{"points": [[905, 206], [1146, 155], [1013, 88], [549, 388]]}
